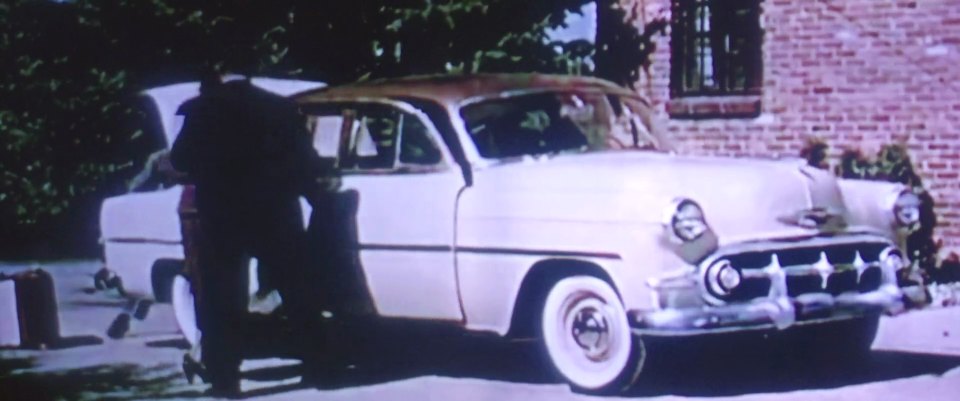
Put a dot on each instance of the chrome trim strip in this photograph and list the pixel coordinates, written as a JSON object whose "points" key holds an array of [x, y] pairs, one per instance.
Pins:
{"points": [[124, 240], [813, 270], [405, 247], [539, 252], [488, 250]]}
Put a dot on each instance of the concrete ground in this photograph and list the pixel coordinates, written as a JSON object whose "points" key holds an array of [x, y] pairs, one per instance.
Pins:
{"points": [[916, 357]]}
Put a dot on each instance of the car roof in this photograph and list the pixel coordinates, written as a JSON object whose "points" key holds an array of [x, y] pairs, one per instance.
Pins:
{"points": [[451, 90]]}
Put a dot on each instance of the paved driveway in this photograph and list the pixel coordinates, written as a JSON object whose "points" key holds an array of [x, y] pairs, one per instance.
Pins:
{"points": [[917, 357]]}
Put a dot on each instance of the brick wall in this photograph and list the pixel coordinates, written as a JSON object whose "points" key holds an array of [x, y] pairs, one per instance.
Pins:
{"points": [[855, 73]]}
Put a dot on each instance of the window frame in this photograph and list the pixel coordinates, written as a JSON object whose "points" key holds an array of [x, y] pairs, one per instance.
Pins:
{"points": [[724, 98], [348, 110], [639, 106]]}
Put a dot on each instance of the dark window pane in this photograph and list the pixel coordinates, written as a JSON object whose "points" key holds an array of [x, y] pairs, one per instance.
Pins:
{"points": [[415, 144], [715, 47]]}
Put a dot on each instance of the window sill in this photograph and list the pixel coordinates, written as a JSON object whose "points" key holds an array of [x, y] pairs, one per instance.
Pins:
{"points": [[700, 107]]}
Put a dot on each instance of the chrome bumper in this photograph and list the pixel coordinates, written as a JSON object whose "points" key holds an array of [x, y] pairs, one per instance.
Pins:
{"points": [[765, 313]]}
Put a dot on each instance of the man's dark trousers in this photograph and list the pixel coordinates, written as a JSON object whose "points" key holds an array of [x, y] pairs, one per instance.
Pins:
{"points": [[274, 234]]}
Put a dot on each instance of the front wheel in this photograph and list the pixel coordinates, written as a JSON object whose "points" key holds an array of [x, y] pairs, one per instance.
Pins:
{"points": [[587, 337]]}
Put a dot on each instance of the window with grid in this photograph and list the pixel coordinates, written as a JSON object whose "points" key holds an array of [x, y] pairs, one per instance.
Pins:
{"points": [[715, 48]]}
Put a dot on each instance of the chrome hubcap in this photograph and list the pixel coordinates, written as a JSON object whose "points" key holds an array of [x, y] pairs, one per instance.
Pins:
{"points": [[591, 331]]}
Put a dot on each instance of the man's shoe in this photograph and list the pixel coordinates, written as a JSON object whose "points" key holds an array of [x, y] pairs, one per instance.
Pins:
{"points": [[193, 368]]}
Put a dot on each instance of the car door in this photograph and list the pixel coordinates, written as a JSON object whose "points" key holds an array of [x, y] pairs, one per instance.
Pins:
{"points": [[391, 154]]}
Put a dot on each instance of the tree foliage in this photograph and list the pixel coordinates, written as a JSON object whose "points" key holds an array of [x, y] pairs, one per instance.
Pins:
{"points": [[65, 122], [625, 40], [358, 40]]}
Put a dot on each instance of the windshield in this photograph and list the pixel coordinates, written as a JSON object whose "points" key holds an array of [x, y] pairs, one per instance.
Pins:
{"points": [[555, 122]]}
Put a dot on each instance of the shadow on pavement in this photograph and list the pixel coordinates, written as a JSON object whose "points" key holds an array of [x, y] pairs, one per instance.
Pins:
{"points": [[704, 367], [62, 343], [713, 367], [76, 341], [411, 352], [9, 365], [104, 303], [104, 382], [736, 365], [176, 343]]}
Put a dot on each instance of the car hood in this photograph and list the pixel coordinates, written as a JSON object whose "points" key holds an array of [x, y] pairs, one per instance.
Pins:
{"points": [[743, 199]]}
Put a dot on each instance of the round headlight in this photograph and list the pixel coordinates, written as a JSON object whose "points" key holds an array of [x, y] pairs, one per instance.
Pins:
{"points": [[906, 209], [688, 222], [722, 278]]}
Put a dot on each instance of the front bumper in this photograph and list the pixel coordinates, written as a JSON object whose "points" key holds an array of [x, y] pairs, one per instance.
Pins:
{"points": [[850, 281], [765, 314]]}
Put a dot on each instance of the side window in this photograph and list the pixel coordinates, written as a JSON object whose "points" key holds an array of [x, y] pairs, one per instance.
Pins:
{"points": [[415, 144], [536, 124], [374, 140], [384, 138]]}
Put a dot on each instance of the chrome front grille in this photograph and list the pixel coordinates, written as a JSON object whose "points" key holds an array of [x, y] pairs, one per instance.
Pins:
{"points": [[828, 268], [837, 254]]}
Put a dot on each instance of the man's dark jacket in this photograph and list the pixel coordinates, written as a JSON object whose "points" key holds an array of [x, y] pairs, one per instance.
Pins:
{"points": [[246, 149]]}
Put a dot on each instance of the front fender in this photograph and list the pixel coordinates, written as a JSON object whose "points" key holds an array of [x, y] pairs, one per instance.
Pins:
{"points": [[870, 207]]}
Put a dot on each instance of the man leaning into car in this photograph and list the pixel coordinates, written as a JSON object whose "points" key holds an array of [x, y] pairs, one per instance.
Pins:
{"points": [[249, 155]]}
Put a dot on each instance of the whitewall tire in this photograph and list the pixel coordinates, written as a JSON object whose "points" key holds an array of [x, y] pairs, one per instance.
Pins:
{"points": [[587, 337]]}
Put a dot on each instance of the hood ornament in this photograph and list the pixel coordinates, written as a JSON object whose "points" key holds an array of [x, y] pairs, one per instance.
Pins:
{"points": [[817, 218]]}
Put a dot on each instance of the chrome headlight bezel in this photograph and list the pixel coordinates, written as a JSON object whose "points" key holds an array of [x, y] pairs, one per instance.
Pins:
{"points": [[687, 221], [906, 209], [721, 278]]}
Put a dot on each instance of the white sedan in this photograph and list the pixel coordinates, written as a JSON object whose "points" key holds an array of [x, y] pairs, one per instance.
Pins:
{"points": [[552, 207]]}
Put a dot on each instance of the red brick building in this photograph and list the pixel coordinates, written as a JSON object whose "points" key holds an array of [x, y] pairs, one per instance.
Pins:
{"points": [[761, 77]]}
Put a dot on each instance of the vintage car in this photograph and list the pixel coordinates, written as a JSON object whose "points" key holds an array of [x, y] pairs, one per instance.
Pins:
{"points": [[552, 207]]}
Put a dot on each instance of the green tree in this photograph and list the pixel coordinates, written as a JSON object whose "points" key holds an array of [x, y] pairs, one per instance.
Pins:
{"points": [[357, 40], [71, 123], [623, 47]]}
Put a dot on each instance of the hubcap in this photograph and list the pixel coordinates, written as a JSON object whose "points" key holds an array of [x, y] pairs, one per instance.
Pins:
{"points": [[591, 331]]}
